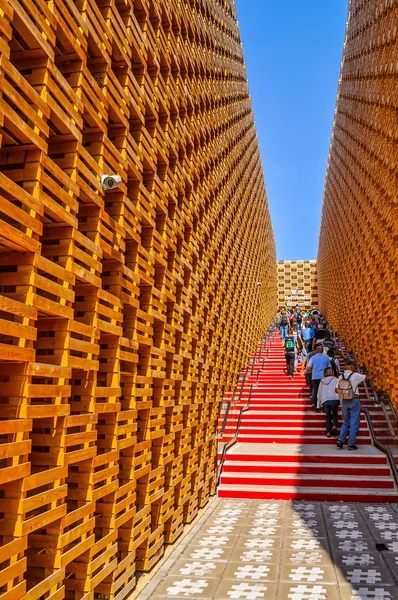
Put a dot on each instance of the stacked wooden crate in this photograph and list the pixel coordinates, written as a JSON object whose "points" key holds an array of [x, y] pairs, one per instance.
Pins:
{"points": [[297, 284], [358, 257], [125, 313]]}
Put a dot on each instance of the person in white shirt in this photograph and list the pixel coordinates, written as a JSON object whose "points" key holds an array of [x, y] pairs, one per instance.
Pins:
{"points": [[329, 401], [352, 407]]}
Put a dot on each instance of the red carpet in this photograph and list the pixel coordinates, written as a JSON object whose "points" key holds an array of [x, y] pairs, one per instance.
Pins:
{"points": [[282, 451]]}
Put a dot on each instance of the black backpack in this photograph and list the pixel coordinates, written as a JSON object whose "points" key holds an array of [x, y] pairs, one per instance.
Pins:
{"points": [[334, 367], [299, 316]]}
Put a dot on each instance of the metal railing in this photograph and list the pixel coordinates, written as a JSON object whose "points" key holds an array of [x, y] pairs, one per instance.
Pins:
{"points": [[264, 348], [232, 442], [389, 434], [385, 449], [387, 425]]}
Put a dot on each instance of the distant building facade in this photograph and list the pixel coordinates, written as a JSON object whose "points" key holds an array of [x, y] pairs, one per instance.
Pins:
{"points": [[297, 283]]}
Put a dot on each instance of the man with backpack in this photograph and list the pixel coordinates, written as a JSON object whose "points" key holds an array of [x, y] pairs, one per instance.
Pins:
{"points": [[299, 318], [328, 343], [319, 334], [290, 353], [347, 390], [283, 324], [334, 362]]}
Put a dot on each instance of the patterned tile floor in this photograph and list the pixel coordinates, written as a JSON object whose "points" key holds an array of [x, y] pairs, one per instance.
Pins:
{"points": [[284, 550]]}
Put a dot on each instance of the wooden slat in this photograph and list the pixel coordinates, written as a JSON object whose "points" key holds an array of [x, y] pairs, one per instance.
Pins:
{"points": [[124, 314], [357, 254]]}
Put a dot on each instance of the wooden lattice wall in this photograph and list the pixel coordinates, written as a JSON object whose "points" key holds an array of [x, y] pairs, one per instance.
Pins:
{"points": [[358, 245], [125, 314], [297, 284]]}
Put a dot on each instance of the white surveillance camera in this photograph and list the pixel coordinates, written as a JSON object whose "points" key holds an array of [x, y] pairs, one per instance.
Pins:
{"points": [[110, 182], [259, 283]]}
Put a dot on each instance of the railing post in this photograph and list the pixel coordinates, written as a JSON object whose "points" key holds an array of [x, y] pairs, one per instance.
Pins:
{"points": [[267, 343]]}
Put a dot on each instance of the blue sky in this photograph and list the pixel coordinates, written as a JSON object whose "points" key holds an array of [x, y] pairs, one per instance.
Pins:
{"points": [[293, 53]]}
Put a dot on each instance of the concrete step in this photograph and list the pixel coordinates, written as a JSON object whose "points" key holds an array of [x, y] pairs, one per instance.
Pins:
{"points": [[263, 404], [291, 429], [330, 494], [248, 418], [343, 480], [306, 438], [304, 453], [306, 467], [282, 451]]}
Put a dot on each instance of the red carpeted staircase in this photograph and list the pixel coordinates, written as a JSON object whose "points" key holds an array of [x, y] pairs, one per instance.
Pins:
{"points": [[282, 451]]}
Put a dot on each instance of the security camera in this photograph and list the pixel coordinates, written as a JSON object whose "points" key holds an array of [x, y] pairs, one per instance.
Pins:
{"points": [[110, 182], [259, 283]]}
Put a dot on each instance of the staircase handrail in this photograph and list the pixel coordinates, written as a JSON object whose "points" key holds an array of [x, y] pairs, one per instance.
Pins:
{"points": [[382, 447], [243, 409], [382, 402], [232, 442], [229, 403], [386, 399], [385, 449]]}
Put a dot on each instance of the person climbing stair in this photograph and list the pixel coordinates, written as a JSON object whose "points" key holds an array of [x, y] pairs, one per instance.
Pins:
{"points": [[347, 390], [328, 401], [290, 353]]}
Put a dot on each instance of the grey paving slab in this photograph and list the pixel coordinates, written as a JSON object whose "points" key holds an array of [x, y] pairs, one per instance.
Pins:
{"points": [[368, 592], [304, 544], [211, 553], [308, 574], [284, 550], [358, 559], [245, 555], [310, 518], [392, 561], [364, 575], [303, 591], [262, 530], [307, 557], [260, 542], [197, 568], [266, 521], [231, 589], [351, 545], [306, 532], [392, 546], [349, 532], [222, 529], [187, 587], [252, 572], [216, 541]]}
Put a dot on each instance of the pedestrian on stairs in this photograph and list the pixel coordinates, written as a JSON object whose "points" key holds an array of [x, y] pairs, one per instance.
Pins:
{"points": [[290, 353], [328, 400], [299, 318], [334, 361], [319, 334], [328, 343], [316, 365], [306, 334], [304, 368], [347, 390], [283, 324]]}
